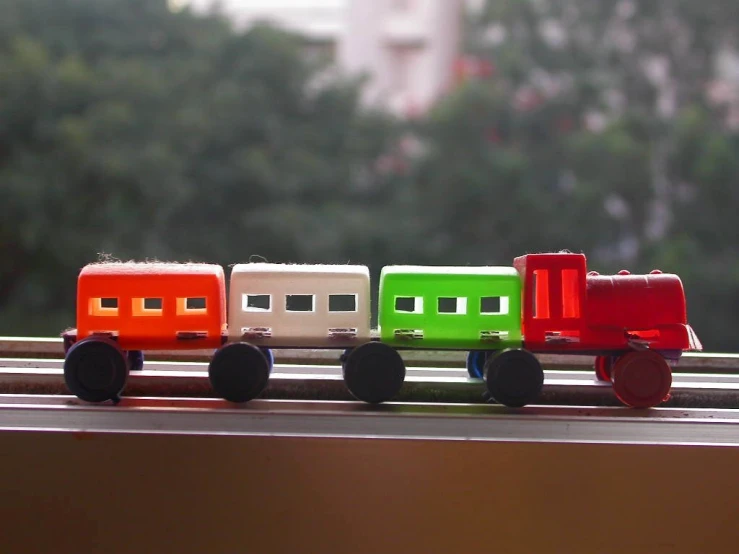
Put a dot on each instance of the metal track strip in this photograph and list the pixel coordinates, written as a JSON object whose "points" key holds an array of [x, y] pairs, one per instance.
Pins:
{"points": [[691, 362], [326, 383], [391, 421], [20, 364]]}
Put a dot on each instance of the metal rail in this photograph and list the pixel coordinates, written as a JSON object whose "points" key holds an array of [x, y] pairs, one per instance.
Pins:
{"points": [[276, 418], [307, 397], [691, 362], [304, 369], [36, 367], [323, 382]]}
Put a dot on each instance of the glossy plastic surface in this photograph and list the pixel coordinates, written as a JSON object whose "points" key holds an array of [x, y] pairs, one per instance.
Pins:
{"points": [[475, 363], [299, 305], [239, 371], [567, 308], [471, 308], [514, 377], [642, 379], [153, 305], [373, 372], [95, 370]]}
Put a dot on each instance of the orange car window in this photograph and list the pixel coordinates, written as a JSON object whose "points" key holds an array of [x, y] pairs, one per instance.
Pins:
{"points": [[147, 306], [103, 306], [191, 306]]}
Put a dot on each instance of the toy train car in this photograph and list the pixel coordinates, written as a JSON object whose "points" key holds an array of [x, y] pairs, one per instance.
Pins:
{"points": [[634, 325]]}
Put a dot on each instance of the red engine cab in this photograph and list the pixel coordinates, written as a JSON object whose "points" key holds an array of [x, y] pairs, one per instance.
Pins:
{"points": [[630, 322]]}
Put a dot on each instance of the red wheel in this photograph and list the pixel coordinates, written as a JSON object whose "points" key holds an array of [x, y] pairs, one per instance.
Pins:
{"points": [[603, 368], [641, 379]]}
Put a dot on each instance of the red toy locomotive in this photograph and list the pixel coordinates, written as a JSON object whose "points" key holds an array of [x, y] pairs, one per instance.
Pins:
{"points": [[634, 324]]}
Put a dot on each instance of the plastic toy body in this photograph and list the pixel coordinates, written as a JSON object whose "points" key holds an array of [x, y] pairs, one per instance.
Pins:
{"points": [[153, 305], [450, 307], [633, 324], [648, 309], [286, 305], [567, 308], [126, 308]]}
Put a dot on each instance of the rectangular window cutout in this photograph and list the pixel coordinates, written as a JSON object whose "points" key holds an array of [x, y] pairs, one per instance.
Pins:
{"points": [[570, 293], [452, 305], [342, 302], [103, 306], [409, 304], [541, 293], [299, 303], [197, 303], [147, 306], [108, 302], [256, 302], [193, 305], [494, 305]]}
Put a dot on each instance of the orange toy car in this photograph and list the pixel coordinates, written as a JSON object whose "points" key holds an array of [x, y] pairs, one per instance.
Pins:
{"points": [[125, 308]]}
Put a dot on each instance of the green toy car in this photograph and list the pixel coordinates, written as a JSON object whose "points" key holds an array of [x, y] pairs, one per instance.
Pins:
{"points": [[477, 309], [460, 308]]}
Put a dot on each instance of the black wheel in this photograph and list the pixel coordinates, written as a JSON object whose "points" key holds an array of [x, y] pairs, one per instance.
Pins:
{"points": [[239, 372], [373, 372], [95, 370], [135, 359], [514, 377], [476, 363]]}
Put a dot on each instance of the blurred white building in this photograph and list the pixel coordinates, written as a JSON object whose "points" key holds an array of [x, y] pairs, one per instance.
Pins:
{"points": [[406, 48]]}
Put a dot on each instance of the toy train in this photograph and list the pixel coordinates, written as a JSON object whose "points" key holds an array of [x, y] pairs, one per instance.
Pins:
{"points": [[634, 325]]}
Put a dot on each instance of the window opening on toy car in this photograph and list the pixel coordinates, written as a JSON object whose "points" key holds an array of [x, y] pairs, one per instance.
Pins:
{"points": [[342, 302], [105, 306], [570, 293], [191, 305], [452, 305], [409, 304], [494, 305], [256, 302], [300, 302], [540, 298], [146, 306]]}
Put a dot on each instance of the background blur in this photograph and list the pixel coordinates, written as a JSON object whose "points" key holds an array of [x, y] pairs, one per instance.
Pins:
{"points": [[374, 132]]}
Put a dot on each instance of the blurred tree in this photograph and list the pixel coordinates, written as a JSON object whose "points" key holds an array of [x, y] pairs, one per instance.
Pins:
{"points": [[130, 129], [288, 163], [597, 127]]}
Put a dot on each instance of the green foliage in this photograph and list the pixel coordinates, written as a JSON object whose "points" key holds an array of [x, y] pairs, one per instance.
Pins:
{"points": [[594, 133], [128, 129]]}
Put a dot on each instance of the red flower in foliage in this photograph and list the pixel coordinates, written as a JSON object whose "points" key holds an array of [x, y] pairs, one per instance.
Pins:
{"points": [[564, 124], [492, 135], [472, 67], [527, 99]]}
